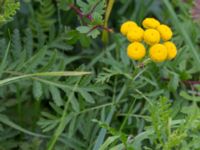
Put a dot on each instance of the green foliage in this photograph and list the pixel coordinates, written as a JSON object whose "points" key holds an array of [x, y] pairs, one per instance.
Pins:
{"points": [[90, 13], [44, 16], [8, 9], [64, 88], [164, 132]]}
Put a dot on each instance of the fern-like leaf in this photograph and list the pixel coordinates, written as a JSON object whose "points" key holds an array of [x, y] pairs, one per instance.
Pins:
{"points": [[8, 8]]}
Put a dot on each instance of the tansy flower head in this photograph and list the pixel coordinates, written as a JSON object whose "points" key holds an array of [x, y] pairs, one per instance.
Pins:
{"points": [[136, 51], [150, 23], [171, 50], [165, 32], [125, 27], [151, 36], [135, 34], [158, 53], [156, 35]]}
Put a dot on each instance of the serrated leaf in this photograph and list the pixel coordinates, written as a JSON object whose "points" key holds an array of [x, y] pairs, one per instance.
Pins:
{"points": [[75, 104], [94, 33], [86, 96], [189, 97], [98, 19], [48, 115], [34, 60], [57, 109], [56, 95], [84, 40], [37, 90], [83, 29], [100, 8], [62, 4], [174, 81], [124, 57], [83, 6], [50, 127], [3, 63]]}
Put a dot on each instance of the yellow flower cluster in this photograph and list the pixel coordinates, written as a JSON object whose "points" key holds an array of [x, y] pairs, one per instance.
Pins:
{"points": [[154, 34]]}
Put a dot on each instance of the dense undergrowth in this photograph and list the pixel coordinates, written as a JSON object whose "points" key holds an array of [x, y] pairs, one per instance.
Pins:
{"points": [[67, 83]]}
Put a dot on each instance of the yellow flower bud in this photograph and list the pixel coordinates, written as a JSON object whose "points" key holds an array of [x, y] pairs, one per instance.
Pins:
{"points": [[165, 32], [125, 27], [158, 53], [151, 36], [135, 34], [136, 51], [171, 50], [150, 23]]}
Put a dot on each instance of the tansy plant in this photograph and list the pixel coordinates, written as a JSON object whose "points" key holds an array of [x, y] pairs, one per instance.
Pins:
{"points": [[8, 8], [153, 35]]}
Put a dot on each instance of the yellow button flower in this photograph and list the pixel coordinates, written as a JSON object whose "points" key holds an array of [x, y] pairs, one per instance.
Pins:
{"points": [[165, 32], [125, 27], [171, 50], [158, 53], [151, 36], [150, 23], [136, 51], [135, 34]]}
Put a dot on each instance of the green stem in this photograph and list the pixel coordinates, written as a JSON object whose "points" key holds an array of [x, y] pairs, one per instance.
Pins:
{"points": [[19, 105], [37, 111], [103, 131], [62, 124], [107, 15], [127, 116]]}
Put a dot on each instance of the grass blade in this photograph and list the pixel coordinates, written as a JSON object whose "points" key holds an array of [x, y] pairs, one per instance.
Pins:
{"points": [[61, 73], [182, 31], [8, 122]]}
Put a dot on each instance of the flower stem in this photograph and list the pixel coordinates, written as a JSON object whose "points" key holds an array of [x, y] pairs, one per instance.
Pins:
{"points": [[107, 15]]}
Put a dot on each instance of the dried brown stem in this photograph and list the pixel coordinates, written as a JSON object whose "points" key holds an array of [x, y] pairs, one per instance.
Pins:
{"points": [[76, 9], [190, 82], [101, 27], [89, 15]]}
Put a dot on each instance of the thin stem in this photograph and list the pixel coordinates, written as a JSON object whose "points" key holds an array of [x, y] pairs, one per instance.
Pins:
{"points": [[89, 17], [80, 13], [107, 15], [126, 118], [191, 82], [62, 124], [100, 106], [101, 27], [76, 9]]}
